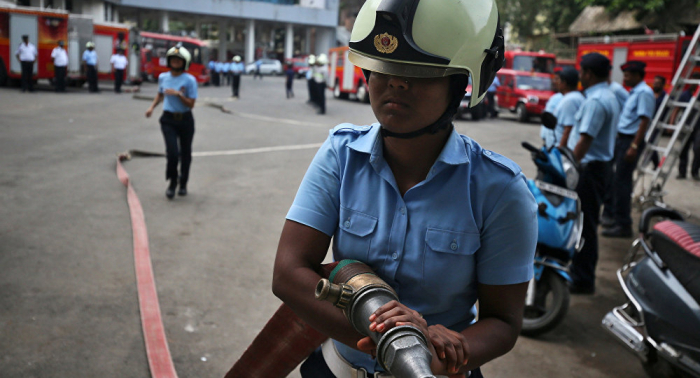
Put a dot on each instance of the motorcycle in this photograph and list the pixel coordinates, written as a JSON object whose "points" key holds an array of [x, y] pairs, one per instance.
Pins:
{"points": [[559, 237], [660, 323]]}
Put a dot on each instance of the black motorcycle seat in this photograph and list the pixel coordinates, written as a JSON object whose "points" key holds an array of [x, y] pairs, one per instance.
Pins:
{"points": [[678, 245]]}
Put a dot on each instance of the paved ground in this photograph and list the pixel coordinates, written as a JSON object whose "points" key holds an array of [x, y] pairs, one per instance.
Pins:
{"points": [[68, 304]]}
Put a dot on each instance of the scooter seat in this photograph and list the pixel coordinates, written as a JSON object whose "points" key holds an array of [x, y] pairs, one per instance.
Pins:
{"points": [[678, 245]]}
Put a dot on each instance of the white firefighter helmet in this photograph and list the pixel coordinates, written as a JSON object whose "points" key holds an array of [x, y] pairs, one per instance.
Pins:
{"points": [[414, 38], [237, 58], [180, 52], [311, 59], [90, 45], [322, 60]]}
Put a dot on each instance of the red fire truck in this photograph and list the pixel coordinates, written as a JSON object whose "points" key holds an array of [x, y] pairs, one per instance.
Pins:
{"points": [[662, 53], [44, 28], [530, 61], [154, 47], [344, 78]]}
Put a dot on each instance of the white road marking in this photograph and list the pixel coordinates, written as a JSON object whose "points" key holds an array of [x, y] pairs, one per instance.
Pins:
{"points": [[258, 150]]}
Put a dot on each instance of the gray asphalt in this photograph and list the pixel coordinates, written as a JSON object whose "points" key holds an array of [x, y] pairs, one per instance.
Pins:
{"points": [[68, 299]]}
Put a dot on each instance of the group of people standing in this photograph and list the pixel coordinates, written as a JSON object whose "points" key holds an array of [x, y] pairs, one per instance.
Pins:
{"points": [[604, 126], [316, 78], [227, 73], [27, 54]]}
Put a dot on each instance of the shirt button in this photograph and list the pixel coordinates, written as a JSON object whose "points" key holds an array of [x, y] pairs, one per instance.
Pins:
{"points": [[403, 211], [454, 246], [395, 255], [347, 224], [487, 153]]}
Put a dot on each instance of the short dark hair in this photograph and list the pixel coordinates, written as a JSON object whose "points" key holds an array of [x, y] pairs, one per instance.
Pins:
{"points": [[663, 79]]}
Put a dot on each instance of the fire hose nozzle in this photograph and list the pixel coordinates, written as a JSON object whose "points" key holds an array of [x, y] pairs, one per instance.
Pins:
{"points": [[340, 295]]}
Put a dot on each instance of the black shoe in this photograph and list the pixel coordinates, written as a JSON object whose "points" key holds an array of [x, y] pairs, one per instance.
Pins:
{"points": [[170, 192], [183, 191], [680, 176], [579, 289], [618, 232], [606, 221], [696, 177]]}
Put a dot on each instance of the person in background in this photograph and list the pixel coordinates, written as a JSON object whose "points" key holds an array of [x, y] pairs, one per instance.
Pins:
{"points": [[26, 55], [631, 130], [226, 73], [620, 92], [212, 72], [491, 97], [289, 72], [59, 56], [119, 63], [607, 218], [237, 69], [90, 66], [592, 140], [320, 78], [310, 81], [547, 135], [220, 79], [258, 64], [568, 106], [177, 90], [660, 94], [693, 139]]}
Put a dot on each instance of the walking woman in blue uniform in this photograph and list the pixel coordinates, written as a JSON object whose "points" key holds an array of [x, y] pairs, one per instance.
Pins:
{"points": [[439, 218], [178, 91]]}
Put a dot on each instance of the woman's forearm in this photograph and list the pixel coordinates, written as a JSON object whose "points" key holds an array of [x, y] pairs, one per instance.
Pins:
{"points": [[489, 339]]}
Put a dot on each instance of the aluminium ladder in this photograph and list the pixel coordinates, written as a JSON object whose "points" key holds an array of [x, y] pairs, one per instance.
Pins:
{"points": [[651, 179]]}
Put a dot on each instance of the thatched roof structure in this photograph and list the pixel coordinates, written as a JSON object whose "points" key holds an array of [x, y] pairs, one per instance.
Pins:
{"points": [[597, 20]]}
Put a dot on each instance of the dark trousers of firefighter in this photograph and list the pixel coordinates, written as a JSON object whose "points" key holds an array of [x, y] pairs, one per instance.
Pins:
{"points": [[591, 186], [491, 97], [694, 140], [92, 78], [59, 80], [178, 135], [27, 76], [118, 80], [312, 93], [619, 206], [236, 84], [320, 96]]}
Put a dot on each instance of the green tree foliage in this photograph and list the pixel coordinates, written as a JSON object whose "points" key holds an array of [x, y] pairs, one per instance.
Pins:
{"points": [[532, 17]]}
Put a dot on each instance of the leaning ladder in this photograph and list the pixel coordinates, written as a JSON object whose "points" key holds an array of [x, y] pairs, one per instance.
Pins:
{"points": [[650, 180]]}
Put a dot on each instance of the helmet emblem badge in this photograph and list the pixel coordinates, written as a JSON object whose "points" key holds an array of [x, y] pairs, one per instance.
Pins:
{"points": [[386, 43]]}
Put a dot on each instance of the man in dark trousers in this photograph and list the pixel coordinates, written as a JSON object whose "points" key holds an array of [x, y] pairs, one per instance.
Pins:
{"points": [[693, 139], [592, 139], [119, 63], [59, 56], [90, 64], [26, 55], [635, 118]]}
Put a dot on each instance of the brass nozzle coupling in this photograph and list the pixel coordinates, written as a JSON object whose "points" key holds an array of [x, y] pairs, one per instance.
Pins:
{"points": [[339, 295]]}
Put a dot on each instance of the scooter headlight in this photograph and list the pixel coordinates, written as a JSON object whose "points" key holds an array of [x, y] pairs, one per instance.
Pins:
{"points": [[571, 173]]}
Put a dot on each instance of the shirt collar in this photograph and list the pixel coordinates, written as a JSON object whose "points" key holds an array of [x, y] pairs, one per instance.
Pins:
{"points": [[595, 88], [454, 152], [638, 87]]}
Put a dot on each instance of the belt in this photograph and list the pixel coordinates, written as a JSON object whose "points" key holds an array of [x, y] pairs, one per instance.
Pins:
{"points": [[177, 116], [341, 368], [621, 135]]}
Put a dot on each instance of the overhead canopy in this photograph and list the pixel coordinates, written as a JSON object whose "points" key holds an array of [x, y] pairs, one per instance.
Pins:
{"points": [[596, 20]]}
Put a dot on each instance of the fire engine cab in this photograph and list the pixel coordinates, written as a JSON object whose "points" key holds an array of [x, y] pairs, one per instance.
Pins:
{"points": [[344, 78]]}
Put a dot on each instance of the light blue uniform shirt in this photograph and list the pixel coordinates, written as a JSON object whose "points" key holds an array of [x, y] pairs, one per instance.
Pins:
{"points": [[225, 67], [566, 112], [597, 117], [546, 134], [90, 57], [184, 80], [494, 85], [620, 93], [237, 68], [472, 220], [641, 103]]}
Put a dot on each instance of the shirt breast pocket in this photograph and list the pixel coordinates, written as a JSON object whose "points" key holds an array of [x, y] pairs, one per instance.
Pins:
{"points": [[354, 236], [449, 260]]}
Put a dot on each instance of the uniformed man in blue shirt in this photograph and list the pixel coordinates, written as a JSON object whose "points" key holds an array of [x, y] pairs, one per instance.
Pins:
{"points": [[631, 129], [90, 64], [592, 139]]}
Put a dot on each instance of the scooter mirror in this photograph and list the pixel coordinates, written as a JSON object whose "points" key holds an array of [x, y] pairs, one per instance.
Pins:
{"points": [[549, 120]]}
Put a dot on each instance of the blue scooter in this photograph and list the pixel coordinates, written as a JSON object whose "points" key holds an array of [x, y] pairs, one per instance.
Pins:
{"points": [[559, 237]]}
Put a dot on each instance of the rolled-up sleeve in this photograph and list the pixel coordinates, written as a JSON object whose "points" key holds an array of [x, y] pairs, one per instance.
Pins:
{"points": [[509, 237]]}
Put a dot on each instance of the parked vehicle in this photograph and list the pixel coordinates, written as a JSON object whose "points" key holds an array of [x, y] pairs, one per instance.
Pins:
{"points": [[478, 112], [268, 67], [526, 94], [530, 61], [344, 78], [154, 46], [300, 65], [560, 224], [662, 53], [660, 323], [44, 28]]}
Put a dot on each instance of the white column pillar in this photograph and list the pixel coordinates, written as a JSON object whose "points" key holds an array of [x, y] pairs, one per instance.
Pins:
{"points": [[165, 22], [115, 14], [325, 39], [198, 27], [223, 42], [41, 4], [250, 42], [307, 41], [289, 42]]}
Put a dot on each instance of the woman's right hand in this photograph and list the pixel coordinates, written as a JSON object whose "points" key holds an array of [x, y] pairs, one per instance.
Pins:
{"points": [[149, 112]]}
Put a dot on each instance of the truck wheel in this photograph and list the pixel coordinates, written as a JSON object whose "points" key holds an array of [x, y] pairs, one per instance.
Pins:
{"points": [[521, 112], [3, 74], [362, 93], [336, 91], [550, 307]]}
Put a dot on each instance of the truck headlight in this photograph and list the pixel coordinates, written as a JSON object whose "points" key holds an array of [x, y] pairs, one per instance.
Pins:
{"points": [[533, 99]]}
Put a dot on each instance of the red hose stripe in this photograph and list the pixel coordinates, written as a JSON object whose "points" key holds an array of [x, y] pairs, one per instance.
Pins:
{"points": [[159, 359], [680, 236]]}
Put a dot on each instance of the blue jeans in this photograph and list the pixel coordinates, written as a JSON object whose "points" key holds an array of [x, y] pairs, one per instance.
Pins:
{"points": [[315, 367]]}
